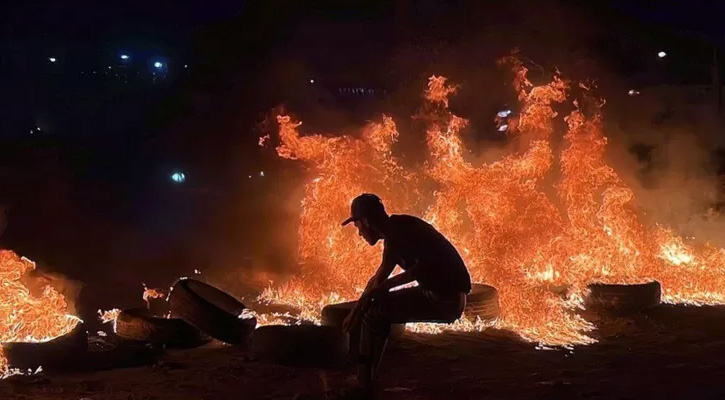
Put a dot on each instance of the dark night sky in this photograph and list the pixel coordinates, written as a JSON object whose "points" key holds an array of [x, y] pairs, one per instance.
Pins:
{"points": [[79, 18], [697, 15]]}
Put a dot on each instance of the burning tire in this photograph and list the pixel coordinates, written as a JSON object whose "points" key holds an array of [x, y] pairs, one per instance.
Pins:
{"points": [[60, 351], [482, 302], [335, 314], [211, 311], [139, 324], [624, 297], [300, 345]]}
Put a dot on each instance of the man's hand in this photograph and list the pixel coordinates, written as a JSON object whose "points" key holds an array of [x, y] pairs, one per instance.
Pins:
{"points": [[352, 319]]}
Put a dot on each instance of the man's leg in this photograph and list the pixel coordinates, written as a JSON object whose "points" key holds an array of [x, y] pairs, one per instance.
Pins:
{"points": [[374, 332], [398, 306]]}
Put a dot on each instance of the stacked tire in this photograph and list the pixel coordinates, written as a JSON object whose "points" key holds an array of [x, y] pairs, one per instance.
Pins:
{"points": [[139, 324], [482, 303], [301, 345], [51, 355], [624, 298], [211, 311]]}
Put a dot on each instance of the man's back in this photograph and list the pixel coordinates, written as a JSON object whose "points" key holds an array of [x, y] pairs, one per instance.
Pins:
{"points": [[414, 243]]}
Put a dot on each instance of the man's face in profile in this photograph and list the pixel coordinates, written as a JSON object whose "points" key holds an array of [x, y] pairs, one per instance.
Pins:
{"points": [[364, 230]]}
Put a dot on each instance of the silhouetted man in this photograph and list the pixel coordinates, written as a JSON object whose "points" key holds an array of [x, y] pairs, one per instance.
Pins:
{"points": [[425, 256]]}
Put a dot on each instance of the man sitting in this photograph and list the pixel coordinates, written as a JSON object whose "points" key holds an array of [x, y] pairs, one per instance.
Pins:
{"points": [[425, 256]]}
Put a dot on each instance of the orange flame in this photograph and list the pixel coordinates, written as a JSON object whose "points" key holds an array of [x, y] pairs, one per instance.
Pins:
{"points": [[151, 294], [25, 317], [514, 229]]}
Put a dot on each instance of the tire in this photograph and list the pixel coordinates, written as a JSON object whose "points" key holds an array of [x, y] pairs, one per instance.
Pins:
{"points": [[627, 298], [51, 355], [111, 352], [211, 311], [301, 345], [335, 314], [482, 302], [141, 325]]}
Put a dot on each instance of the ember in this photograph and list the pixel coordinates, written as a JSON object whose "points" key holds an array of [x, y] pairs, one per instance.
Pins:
{"points": [[513, 231], [23, 316], [151, 294]]}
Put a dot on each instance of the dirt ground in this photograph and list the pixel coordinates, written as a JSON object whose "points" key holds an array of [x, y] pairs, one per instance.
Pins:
{"points": [[670, 352]]}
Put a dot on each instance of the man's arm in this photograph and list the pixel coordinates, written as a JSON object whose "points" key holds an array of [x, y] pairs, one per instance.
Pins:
{"points": [[387, 265]]}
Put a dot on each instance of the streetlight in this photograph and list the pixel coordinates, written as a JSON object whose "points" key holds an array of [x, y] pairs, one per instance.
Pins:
{"points": [[52, 59], [125, 57], [661, 54], [158, 65]]}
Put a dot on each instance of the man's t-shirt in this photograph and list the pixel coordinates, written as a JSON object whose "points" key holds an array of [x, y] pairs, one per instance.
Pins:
{"points": [[437, 266]]}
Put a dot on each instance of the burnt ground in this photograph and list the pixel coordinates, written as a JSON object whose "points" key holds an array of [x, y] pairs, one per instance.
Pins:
{"points": [[670, 352]]}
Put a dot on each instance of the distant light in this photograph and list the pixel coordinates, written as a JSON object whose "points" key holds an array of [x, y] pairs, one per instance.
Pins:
{"points": [[185, 65], [633, 92], [124, 57], [158, 64], [661, 54], [178, 177], [52, 59], [261, 173], [250, 176], [312, 81], [503, 113], [109, 67], [503, 128], [37, 128]]}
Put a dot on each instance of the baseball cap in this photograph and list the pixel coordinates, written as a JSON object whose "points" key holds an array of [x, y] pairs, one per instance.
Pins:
{"points": [[363, 206]]}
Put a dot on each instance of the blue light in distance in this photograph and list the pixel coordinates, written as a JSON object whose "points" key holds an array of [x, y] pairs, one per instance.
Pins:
{"points": [[125, 57], [158, 64], [178, 177]]}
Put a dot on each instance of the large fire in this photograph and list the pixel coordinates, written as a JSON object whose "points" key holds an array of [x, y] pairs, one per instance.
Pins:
{"points": [[25, 317], [523, 223]]}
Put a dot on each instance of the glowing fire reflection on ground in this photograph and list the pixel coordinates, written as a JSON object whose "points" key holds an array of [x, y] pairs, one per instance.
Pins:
{"points": [[516, 230]]}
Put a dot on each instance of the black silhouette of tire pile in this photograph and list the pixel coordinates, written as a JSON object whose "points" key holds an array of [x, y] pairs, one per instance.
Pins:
{"points": [[482, 303], [199, 311]]}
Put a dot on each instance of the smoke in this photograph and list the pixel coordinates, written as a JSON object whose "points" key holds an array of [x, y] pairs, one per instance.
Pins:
{"points": [[672, 163]]}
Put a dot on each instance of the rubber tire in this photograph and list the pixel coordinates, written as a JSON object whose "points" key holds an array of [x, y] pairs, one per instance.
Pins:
{"points": [[482, 302], [625, 298], [141, 325], [50, 355], [335, 314], [116, 352], [211, 311], [301, 345]]}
